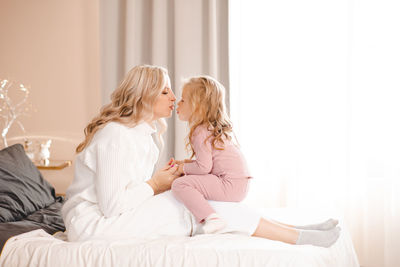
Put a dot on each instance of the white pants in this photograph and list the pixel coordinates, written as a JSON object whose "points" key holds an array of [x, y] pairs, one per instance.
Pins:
{"points": [[161, 215]]}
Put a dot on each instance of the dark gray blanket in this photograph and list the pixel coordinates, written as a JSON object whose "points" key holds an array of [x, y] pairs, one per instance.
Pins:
{"points": [[48, 219], [27, 200], [23, 190]]}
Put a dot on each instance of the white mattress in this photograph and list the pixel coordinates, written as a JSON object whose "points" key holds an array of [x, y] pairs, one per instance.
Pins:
{"points": [[38, 248]]}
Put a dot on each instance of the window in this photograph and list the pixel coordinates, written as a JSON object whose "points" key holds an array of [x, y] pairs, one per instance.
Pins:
{"points": [[315, 93]]}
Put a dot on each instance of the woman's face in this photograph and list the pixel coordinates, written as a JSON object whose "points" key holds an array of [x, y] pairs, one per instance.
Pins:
{"points": [[164, 104], [184, 109]]}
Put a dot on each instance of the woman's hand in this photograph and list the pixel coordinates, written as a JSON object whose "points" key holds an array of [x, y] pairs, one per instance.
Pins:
{"points": [[163, 178], [172, 163]]}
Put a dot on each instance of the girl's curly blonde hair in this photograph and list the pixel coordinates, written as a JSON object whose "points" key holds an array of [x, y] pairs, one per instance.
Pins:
{"points": [[132, 102], [206, 97]]}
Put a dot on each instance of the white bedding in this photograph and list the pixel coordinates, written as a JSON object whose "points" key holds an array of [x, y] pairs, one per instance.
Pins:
{"points": [[38, 248]]}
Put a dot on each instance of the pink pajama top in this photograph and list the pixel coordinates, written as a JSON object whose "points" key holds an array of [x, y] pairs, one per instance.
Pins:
{"points": [[227, 163]]}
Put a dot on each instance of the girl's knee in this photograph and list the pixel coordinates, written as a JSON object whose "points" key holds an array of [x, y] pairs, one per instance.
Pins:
{"points": [[177, 184]]}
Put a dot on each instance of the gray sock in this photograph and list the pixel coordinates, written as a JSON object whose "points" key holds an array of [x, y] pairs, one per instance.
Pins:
{"points": [[318, 238], [327, 225]]}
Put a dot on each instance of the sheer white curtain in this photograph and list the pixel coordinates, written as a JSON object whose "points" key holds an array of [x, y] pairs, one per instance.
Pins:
{"points": [[315, 93], [186, 37]]}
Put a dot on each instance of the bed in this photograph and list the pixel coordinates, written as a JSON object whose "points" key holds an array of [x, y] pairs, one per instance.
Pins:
{"points": [[33, 234]]}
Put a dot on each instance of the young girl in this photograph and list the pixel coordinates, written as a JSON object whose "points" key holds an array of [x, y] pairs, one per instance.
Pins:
{"points": [[220, 171]]}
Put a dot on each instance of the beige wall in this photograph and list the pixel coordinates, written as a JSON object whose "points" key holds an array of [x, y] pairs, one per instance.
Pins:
{"points": [[53, 47]]}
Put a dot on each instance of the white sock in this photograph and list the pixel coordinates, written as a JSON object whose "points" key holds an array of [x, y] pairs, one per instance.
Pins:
{"points": [[327, 225], [213, 223], [318, 238]]}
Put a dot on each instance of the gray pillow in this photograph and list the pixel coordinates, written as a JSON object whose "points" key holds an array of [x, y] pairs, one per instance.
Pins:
{"points": [[22, 187]]}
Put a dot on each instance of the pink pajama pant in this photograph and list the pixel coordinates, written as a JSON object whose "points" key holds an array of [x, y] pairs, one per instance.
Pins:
{"points": [[194, 191]]}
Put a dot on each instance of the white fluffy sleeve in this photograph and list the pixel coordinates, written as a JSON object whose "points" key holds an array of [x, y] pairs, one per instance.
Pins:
{"points": [[118, 185]]}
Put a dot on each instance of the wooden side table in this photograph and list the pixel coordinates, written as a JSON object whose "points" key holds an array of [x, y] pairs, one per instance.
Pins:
{"points": [[54, 165]]}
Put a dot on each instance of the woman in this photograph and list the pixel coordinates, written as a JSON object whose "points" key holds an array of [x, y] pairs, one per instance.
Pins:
{"points": [[114, 194]]}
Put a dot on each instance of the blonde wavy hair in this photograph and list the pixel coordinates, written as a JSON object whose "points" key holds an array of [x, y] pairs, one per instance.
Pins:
{"points": [[132, 102], [206, 96]]}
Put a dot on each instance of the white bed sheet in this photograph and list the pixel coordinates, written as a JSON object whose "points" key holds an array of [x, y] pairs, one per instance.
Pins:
{"points": [[38, 248]]}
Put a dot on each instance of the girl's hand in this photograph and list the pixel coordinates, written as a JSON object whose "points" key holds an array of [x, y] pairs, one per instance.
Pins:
{"points": [[183, 161], [163, 178], [180, 169]]}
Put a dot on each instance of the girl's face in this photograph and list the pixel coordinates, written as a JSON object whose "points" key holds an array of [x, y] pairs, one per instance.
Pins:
{"points": [[164, 104], [184, 110]]}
